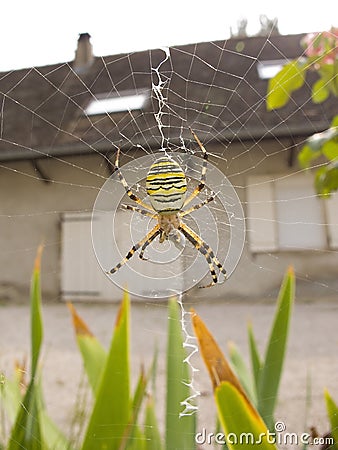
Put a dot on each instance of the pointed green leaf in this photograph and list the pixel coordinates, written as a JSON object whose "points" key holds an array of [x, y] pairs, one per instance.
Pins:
{"points": [[151, 429], [130, 431], [94, 358], [243, 426], [332, 412], [180, 429], [93, 354], [139, 441], [275, 352], [242, 372], [256, 362], [112, 407], [10, 395], [26, 432], [52, 436], [218, 367], [236, 413], [11, 399], [36, 315]]}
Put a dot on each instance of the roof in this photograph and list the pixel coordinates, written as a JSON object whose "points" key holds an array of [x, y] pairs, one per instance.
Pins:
{"points": [[212, 86]]}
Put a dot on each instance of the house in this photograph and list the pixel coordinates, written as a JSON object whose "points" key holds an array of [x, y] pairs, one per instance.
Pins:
{"points": [[61, 126]]}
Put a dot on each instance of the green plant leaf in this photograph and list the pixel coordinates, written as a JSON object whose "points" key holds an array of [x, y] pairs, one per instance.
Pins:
{"points": [[112, 408], [151, 429], [307, 155], [93, 354], [256, 362], [36, 314], [10, 395], [242, 372], [243, 426], [236, 413], [326, 179], [52, 436], [316, 141], [275, 352], [320, 91], [139, 440], [315, 144], [330, 149], [325, 143], [290, 78], [33, 429], [129, 435], [332, 412], [26, 431], [328, 72], [180, 429], [218, 367]]}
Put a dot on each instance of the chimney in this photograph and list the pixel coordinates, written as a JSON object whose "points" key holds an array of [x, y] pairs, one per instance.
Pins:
{"points": [[84, 57]]}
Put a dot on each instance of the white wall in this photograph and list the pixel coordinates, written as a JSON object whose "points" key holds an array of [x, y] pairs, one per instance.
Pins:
{"points": [[31, 212]]}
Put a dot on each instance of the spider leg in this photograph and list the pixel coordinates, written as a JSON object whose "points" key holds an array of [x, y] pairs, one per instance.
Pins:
{"points": [[148, 242], [201, 185], [205, 250], [129, 192], [149, 237], [139, 210], [197, 206], [144, 213]]}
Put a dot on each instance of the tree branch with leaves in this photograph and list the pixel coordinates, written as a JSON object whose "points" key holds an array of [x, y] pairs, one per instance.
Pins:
{"points": [[320, 56]]}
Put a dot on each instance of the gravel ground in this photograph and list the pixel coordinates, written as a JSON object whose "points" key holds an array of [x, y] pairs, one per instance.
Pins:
{"points": [[312, 357]]}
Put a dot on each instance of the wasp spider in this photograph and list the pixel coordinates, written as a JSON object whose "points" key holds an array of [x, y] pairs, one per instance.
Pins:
{"points": [[166, 187]]}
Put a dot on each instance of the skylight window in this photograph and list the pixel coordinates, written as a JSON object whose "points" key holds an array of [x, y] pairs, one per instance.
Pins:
{"points": [[268, 69], [107, 104]]}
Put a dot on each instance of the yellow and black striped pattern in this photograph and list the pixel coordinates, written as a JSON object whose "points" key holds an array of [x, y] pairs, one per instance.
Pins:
{"points": [[205, 250], [166, 186], [143, 244]]}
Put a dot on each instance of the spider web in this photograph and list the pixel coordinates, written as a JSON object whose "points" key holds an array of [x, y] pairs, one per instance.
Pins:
{"points": [[73, 154]]}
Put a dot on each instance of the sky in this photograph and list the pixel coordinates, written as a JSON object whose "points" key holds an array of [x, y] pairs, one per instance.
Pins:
{"points": [[34, 33]]}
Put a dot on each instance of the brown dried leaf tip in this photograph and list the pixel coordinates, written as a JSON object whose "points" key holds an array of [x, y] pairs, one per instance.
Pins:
{"points": [[79, 324]]}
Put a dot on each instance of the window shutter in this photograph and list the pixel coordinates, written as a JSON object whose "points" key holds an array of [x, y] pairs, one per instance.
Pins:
{"points": [[299, 214], [81, 276], [331, 206], [261, 214]]}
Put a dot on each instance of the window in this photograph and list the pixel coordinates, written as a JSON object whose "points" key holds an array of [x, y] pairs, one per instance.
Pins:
{"points": [[332, 219], [285, 214], [107, 103], [261, 214], [299, 214], [268, 69], [87, 281]]}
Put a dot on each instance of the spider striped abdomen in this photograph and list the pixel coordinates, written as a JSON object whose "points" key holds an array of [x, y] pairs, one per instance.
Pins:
{"points": [[166, 185]]}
